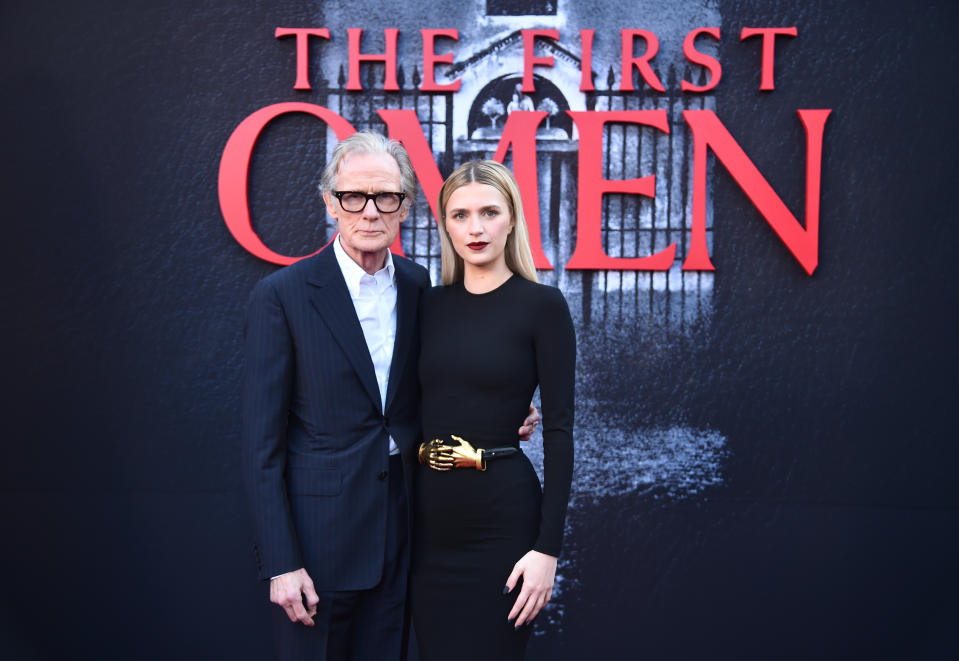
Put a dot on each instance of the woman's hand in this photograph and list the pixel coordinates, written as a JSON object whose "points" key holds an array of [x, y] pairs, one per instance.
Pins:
{"points": [[538, 571]]}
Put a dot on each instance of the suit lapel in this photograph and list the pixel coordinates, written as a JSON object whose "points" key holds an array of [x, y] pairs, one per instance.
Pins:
{"points": [[331, 299], [407, 294]]}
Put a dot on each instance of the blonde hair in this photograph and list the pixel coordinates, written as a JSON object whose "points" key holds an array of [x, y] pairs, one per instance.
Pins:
{"points": [[519, 257]]}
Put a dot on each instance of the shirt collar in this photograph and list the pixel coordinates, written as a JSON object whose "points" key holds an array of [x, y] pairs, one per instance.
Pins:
{"points": [[353, 272]]}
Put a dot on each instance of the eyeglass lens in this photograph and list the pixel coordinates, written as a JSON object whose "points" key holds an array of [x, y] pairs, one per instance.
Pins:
{"points": [[356, 201]]}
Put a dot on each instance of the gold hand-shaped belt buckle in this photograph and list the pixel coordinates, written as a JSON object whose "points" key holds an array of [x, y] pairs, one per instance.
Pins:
{"points": [[446, 455]]}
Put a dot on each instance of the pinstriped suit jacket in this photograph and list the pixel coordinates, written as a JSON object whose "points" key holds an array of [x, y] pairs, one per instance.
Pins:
{"points": [[315, 436]]}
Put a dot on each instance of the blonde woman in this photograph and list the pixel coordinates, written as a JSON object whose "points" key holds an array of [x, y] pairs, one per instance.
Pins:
{"points": [[486, 536]]}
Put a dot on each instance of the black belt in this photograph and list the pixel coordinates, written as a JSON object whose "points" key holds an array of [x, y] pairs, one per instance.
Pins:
{"points": [[459, 453]]}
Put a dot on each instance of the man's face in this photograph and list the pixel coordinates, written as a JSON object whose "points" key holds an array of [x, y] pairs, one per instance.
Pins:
{"points": [[367, 235]]}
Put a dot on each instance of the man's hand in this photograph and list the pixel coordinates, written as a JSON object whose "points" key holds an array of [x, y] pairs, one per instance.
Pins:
{"points": [[289, 591], [529, 424]]}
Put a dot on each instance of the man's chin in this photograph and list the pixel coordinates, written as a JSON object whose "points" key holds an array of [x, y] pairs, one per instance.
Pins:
{"points": [[370, 247]]}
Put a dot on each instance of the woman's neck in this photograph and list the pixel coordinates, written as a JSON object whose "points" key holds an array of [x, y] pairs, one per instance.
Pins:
{"points": [[478, 280]]}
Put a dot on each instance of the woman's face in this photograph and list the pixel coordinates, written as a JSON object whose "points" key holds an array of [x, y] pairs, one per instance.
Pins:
{"points": [[478, 221]]}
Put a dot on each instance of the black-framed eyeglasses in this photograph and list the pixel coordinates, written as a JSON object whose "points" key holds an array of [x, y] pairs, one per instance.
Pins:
{"points": [[355, 201]]}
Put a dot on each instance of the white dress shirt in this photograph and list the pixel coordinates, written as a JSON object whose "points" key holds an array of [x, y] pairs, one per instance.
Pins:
{"points": [[374, 298]]}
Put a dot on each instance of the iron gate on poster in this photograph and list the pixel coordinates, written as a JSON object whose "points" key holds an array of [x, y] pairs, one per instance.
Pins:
{"points": [[631, 227]]}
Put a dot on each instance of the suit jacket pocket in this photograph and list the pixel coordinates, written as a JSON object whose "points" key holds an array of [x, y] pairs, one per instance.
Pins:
{"points": [[314, 481]]}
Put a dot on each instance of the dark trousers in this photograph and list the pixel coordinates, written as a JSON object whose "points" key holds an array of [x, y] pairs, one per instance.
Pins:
{"points": [[364, 624]]}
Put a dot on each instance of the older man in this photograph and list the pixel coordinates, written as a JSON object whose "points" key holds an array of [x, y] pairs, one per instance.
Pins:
{"points": [[330, 417]]}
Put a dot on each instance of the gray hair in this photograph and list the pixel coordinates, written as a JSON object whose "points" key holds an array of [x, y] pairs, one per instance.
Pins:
{"points": [[369, 142]]}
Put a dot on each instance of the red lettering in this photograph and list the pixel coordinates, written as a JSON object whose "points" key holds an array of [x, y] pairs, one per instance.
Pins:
{"points": [[708, 61], [302, 51], [589, 253], [641, 62], [234, 176], [709, 133], [520, 132], [529, 60], [769, 50], [388, 58], [430, 58], [586, 64]]}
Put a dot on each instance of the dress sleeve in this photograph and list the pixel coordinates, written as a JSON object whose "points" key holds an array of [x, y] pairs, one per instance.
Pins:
{"points": [[555, 342]]}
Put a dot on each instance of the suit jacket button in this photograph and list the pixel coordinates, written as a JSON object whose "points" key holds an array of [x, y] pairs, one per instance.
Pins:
{"points": [[383, 475]]}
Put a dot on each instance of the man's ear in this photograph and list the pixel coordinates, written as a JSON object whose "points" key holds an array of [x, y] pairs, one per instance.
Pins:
{"points": [[404, 211], [331, 206]]}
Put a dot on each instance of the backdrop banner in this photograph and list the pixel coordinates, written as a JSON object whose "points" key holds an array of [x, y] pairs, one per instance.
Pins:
{"points": [[746, 203]]}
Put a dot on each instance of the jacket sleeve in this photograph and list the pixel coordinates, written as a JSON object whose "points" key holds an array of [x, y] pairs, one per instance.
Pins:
{"points": [[265, 401]]}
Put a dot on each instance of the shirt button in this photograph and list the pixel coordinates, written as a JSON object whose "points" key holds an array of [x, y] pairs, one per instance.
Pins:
{"points": [[383, 475]]}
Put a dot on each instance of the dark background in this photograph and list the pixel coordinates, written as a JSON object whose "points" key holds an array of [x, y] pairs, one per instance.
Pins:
{"points": [[124, 532]]}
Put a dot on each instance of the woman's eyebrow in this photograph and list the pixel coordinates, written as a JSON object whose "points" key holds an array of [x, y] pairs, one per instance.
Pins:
{"points": [[494, 205]]}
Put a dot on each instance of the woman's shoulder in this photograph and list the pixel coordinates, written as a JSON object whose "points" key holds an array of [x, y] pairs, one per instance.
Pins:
{"points": [[437, 291], [547, 296], [437, 294]]}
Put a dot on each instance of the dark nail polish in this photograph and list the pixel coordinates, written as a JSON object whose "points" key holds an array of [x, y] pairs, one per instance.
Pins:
{"points": [[506, 590], [511, 620]]}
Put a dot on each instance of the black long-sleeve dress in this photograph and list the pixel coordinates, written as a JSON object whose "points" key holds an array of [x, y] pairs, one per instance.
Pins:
{"points": [[482, 356]]}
